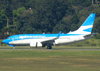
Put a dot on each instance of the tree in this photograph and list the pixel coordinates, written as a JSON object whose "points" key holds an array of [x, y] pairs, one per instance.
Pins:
{"points": [[3, 19], [48, 16], [96, 26]]}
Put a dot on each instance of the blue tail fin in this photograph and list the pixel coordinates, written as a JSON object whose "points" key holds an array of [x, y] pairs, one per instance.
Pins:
{"points": [[86, 27], [89, 20]]}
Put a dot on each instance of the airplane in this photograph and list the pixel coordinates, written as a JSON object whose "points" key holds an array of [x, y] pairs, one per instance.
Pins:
{"points": [[49, 40]]}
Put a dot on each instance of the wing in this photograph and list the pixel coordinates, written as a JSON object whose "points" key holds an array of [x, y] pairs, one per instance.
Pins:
{"points": [[52, 39]]}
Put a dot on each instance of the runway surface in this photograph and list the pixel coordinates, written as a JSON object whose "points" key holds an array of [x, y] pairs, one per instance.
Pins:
{"points": [[51, 49]]}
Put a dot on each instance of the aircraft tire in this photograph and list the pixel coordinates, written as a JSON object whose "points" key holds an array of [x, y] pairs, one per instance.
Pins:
{"points": [[49, 47]]}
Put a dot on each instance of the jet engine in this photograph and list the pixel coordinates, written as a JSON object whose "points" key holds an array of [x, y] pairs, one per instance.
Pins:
{"points": [[36, 44]]}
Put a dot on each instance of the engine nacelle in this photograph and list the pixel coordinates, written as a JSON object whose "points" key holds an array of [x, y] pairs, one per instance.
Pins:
{"points": [[39, 44], [55, 42], [36, 44]]}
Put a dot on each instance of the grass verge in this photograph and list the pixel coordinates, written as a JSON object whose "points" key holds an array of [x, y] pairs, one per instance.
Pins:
{"points": [[49, 60]]}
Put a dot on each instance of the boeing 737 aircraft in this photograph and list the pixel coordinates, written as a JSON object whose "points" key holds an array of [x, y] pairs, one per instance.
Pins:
{"points": [[42, 40]]}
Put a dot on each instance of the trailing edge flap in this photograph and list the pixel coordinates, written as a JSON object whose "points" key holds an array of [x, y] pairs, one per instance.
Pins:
{"points": [[53, 38]]}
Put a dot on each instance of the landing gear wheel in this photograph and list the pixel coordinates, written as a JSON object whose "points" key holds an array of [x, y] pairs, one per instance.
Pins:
{"points": [[49, 47]]}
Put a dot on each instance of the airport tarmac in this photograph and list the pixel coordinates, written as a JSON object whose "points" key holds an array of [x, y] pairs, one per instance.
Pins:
{"points": [[53, 49]]}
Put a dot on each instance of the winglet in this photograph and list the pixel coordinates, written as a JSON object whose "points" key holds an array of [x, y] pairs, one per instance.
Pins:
{"points": [[59, 34]]}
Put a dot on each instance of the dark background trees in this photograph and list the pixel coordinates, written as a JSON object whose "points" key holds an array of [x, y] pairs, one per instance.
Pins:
{"points": [[46, 16]]}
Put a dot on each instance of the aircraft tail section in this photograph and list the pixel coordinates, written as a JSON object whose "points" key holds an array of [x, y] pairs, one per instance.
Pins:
{"points": [[86, 27]]}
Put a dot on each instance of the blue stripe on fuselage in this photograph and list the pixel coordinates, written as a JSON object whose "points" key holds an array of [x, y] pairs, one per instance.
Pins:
{"points": [[37, 36]]}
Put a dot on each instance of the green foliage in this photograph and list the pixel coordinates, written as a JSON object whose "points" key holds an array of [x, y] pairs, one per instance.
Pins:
{"points": [[97, 36], [2, 19], [84, 3], [46, 16], [20, 11], [97, 24]]}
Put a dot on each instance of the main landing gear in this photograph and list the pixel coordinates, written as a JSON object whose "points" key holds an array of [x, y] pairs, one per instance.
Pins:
{"points": [[49, 47], [13, 47]]}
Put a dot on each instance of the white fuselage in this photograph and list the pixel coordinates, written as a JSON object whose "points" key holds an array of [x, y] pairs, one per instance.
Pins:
{"points": [[61, 40]]}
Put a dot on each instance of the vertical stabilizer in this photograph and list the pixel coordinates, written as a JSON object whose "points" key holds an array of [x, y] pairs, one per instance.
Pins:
{"points": [[86, 27]]}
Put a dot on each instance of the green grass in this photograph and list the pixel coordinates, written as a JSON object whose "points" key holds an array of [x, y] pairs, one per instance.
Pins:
{"points": [[49, 60], [89, 42], [54, 47]]}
